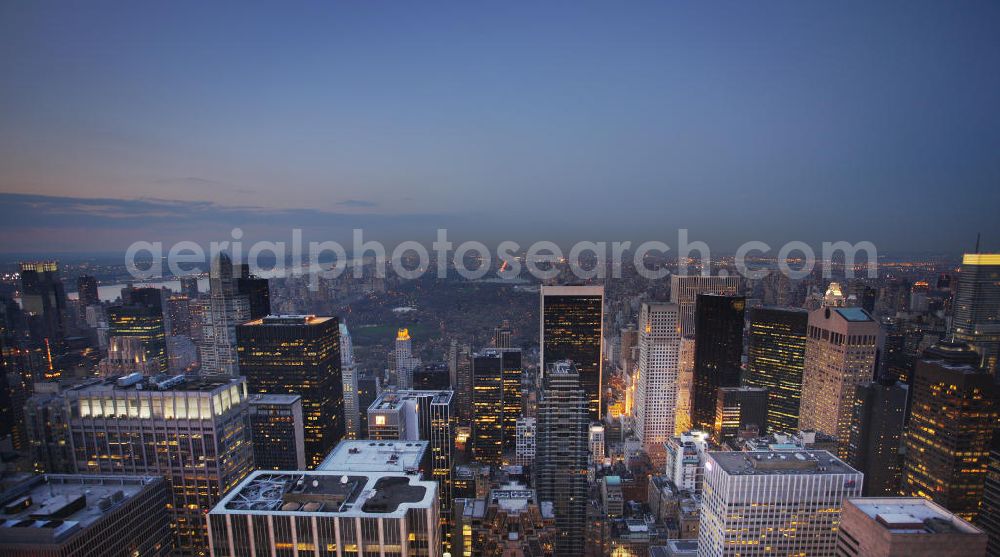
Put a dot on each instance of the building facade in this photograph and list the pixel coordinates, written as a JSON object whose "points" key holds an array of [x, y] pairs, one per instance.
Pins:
{"points": [[278, 432], [572, 328], [718, 353], [657, 382], [911, 526], [776, 355]]}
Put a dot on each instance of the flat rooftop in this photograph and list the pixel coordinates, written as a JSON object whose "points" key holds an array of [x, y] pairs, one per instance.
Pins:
{"points": [[392, 400], [365, 455], [763, 463], [290, 319], [282, 400], [48, 509], [158, 383], [912, 515], [328, 492]]}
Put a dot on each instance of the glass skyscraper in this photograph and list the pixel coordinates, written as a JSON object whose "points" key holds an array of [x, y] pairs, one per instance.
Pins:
{"points": [[572, 319], [775, 359]]}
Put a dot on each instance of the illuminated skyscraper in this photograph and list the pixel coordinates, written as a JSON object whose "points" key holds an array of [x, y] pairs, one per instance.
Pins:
{"points": [[561, 454], [298, 354], [349, 373], [775, 360], [738, 409], [952, 419], [977, 306], [718, 353], [86, 288], [179, 315], [496, 404], [227, 308], [142, 319], [876, 437], [276, 427], [460, 373], [684, 292], [989, 514], [257, 292], [189, 287], [840, 354], [571, 328], [685, 386], [405, 362], [43, 301], [657, 383]]}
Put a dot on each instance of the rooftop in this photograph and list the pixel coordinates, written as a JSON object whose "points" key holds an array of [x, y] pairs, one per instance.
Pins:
{"points": [[283, 400], [765, 463], [854, 314], [47, 509], [391, 400], [375, 456], [328, 492], [288, 320], [912, 515]]}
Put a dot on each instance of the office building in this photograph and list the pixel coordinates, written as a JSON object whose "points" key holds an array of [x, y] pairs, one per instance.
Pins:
{"points": [[368, 455], [841, 347], [509, 521], [191, 431], [405, 361], [126, 355], [178, 315], [686, 455], [496, 403], [225, 309], [657, 381], [278, 433], [718, 353], [349, 375], [596, 443], [910, 526], [989, 513], [257, 292], [685, 385], [773, 503], [977, 306], [561, 454], [502, 335], [952, 419], [775, 361], [739, 409], [189, 287], [83, 514], [684, 291], [86, 291], [142, 319], [876, 438], [337, 513], [43, 303], [460, 372], [298, 354], [571, 328], [524, 453]]}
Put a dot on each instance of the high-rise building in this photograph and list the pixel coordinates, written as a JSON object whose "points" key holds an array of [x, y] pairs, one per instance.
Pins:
{"points": [[418, 415], [460, 372], [989, 514], [739, 409], [502, 335], [686, 456], [405, 362], [142, 319], [86, 288], [977, 306], [363, 455], [684, 291], [43, 301], [571, 328], [841, 347], [891, 526], [331, 512], [85, 514], [775, 360], [276, 428], [128, 354], [875, 443], [947, 443], [179, 315], [685, 385], [561, 454], [511, 520], [298, 354], [189, 287], [349, 374], [257, 292], [527, 433], [657, 382], [773, 503], [226, 309], [718, 353], [191, 431], [496, 403]]}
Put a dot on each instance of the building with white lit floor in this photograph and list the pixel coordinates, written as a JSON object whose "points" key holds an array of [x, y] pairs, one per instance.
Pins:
{"points": [[773, 503], [328, 513]]}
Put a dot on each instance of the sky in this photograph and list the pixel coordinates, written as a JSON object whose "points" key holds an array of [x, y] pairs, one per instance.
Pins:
{"points": [[564, 121]]}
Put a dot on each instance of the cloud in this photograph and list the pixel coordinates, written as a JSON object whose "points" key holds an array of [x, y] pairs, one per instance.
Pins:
{"points": [[194, 182], [357, 203]]}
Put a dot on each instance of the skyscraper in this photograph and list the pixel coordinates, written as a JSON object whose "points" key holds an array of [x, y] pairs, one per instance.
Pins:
{"points": [[298, 354], [189, 287], [179, 315], [684, 291], [277, 430], [502, 335], [737, 409], [657, 383], [86, 288], [142, 319], [977, 306], [227, 308], [952, 419], [876, 437], [257, 292], [561, 454], [718, 353], [840, 354], [989, 514], [571, 328], [685, 385], [349, 374], [460, 372], [775, 360], [773, 503], [496, 404], [405, 361], [43, 301], [192, 432]]}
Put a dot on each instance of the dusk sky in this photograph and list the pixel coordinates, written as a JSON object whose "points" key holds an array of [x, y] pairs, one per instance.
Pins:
{"points": [[815, 121]]}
